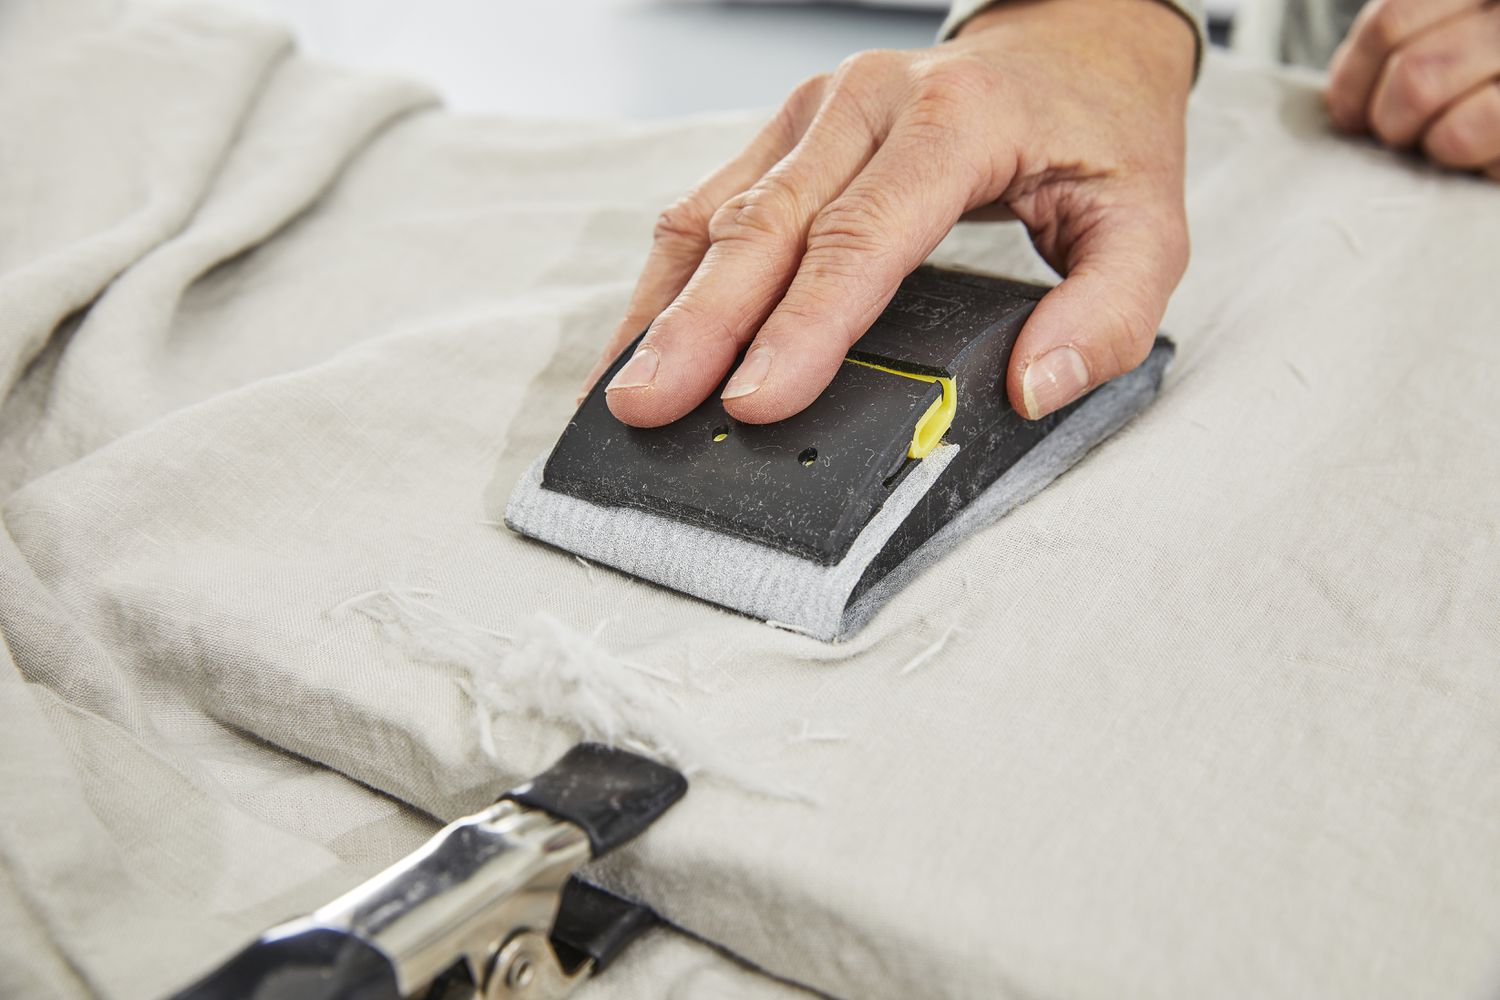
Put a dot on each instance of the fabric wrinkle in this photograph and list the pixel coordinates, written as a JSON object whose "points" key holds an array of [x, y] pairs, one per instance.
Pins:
{"points": [[1232, 678]]}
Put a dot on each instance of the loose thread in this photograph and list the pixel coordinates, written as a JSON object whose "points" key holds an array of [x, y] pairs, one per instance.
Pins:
{"points": [[916, 662]]}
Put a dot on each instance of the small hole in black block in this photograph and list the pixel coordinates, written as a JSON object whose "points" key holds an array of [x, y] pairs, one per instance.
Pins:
{"points": [[720, 433], [808, 456]]}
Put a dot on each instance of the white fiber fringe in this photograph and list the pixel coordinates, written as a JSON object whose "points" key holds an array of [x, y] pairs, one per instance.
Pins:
{"points": [[551, 671]]}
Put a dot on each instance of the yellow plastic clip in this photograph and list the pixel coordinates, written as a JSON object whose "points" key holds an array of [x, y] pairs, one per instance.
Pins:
{"points": [[939, 416]]}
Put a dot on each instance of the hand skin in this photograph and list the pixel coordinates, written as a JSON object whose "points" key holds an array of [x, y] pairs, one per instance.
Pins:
{"points": [[1065, 114], [1423, 73]]}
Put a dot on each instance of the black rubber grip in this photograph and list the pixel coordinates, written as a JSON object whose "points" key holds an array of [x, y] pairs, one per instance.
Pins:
{"points": [[612, 795], [593, 923]]}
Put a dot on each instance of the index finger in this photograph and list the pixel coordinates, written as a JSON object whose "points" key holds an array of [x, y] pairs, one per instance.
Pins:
{"points": [[681, 236]]}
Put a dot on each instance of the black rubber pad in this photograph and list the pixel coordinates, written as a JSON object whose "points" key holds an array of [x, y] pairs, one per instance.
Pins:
{"points": [[593, 923], [613, 795]]}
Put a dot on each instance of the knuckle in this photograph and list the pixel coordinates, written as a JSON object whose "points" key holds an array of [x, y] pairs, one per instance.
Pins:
{"points": [[765, 213], [856, 93], [684, 223], [692, 322], [1469, 135], [1417, 81], [1453, 143], [1387, 25], [800, 107], [823, 304], [851, 222], [809, 91], [807, 310], [937, 114], [848, 258], [954, 79], [870, 64]]}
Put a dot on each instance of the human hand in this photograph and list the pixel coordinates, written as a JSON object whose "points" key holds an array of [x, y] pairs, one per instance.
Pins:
{"points": [[1423, 72], [1065, 114]]}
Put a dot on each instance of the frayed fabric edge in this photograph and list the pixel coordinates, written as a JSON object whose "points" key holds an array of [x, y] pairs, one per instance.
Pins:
{"points": [[548, 670]]}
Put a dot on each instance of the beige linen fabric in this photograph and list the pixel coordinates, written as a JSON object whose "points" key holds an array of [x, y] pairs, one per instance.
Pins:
{"points": [[1218, 714], [141, 839]]}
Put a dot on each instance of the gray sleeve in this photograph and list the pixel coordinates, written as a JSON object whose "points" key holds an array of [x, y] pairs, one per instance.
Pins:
{"points": [[1312, 29], [1191, 10]]}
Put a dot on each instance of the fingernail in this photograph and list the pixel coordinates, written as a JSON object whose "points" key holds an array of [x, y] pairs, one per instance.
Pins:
{"points": [[1053, 381], [751, 373], [639, 371]]}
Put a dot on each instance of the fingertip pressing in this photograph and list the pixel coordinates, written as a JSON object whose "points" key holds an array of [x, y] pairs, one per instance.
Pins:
{"points": [[747, 397], [750, 375], [638, 397], [639, 372], [672, 371], [629, 329], [1089, 329], [774, 383], [629, 408], [629, 395]]}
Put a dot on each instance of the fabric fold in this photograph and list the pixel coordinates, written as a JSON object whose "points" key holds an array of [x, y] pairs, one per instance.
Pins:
{"points": [[1229, 680]]}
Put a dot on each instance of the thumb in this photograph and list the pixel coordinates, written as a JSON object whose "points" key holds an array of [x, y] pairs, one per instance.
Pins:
{"points": [[1102, 319]]}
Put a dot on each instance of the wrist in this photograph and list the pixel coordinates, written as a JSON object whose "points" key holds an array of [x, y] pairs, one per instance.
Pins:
{"points": [[1162, 36]]}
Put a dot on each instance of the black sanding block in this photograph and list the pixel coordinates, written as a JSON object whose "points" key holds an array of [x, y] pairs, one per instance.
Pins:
{"points": [[920, 398], [809, 484]]}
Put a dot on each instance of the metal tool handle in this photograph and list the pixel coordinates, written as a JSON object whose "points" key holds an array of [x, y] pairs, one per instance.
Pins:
{"points": [[476, 904]]}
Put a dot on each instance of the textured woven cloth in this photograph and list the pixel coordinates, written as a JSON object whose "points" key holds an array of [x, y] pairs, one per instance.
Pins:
{"points": [[1216, 714]]}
